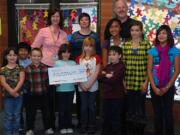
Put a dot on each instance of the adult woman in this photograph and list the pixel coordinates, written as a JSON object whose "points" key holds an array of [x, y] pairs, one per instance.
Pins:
{"points": [[50, 39]]}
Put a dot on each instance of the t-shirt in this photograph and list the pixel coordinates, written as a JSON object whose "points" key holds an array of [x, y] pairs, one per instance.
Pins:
{"points": [[125, 28], [136, 64], [90, 69], [77, 43], [11, 76], [25, 62], [68, 86], [173, 52]]}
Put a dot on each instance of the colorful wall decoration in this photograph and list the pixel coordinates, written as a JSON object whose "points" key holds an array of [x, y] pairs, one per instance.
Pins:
{"points": [[153, 13], [30, 21]]}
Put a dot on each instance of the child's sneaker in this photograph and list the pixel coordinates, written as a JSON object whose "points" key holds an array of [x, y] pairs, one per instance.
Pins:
{"points": [[69, 131], [49, 131], [29, 132], [63, 131]]}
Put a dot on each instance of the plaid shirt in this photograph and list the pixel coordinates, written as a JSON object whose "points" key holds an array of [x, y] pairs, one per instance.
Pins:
{"points": [[37, 79], [136, 64]]}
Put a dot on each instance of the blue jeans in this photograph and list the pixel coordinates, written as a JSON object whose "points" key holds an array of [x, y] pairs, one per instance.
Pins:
{"points": [[12, 108], [88, 109]]}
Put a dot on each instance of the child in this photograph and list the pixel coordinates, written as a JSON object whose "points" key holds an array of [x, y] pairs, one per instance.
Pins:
{"points": [[163, 69], [113, 92], [135, 53], [112, 36], [88, 89], [37, 97], [65, 92], [23, 54], [12, 78]]}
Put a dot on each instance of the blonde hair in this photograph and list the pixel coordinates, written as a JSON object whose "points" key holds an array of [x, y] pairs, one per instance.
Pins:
{"points": [[88, 41]]}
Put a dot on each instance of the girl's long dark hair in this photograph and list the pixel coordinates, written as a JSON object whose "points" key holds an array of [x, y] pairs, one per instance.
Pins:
{"points": [[170, 39], [107, 34], [6, 52]]}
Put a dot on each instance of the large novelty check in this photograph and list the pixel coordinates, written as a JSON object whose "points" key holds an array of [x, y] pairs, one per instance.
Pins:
{"points": [[67, 74]]}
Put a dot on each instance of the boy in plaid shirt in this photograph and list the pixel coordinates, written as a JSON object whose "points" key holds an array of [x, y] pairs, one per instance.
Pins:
{"points": [[37, 97]]}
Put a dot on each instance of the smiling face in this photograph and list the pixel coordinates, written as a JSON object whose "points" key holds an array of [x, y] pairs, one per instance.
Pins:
{"points": [[36, 57], [115, 29], [12, 57], [55, 19], [162, 37], [136, 32], [114, 57], [66, 55], [23, 53], [121, 9], [84, 22]]}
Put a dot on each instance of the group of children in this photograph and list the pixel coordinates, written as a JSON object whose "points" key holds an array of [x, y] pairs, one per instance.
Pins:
{"points": [[126, 73]]}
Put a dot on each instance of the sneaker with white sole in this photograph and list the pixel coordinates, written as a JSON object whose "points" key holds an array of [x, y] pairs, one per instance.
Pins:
{"points": [[63, 131], [29, 132], [49, 131], [69, 131]]}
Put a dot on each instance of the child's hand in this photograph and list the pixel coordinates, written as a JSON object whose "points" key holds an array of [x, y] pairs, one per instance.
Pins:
{"points": [[144, 88], [157, 91], [103, 72], [109, 75], [14, 93]]}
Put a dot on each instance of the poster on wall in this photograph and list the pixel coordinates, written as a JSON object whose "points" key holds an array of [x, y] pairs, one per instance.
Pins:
{"points": [[71, 13], [31, 18], [153, 13]]}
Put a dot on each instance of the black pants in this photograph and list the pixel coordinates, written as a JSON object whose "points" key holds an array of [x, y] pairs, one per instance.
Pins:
{"points": [[135, 112], [52, 104], [78, 106], [112, 116], [65, 100], [163, 112], [35, 102]]}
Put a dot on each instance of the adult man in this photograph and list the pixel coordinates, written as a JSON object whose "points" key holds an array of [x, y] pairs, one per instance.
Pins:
{"points": [[121, 10]]}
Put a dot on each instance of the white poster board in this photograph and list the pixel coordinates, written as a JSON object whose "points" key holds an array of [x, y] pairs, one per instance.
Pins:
{"points": [[67, 74]]}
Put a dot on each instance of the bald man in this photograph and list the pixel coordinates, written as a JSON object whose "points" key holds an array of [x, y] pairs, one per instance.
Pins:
{"points": [[121, 11]]}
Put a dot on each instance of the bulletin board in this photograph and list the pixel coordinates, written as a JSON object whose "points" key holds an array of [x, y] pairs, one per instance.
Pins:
{"points": [[31, 18]]}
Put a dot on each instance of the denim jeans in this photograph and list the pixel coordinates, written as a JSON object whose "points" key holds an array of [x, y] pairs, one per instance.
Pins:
{"points": [[12, 108], [88, 109], [163, 112]]}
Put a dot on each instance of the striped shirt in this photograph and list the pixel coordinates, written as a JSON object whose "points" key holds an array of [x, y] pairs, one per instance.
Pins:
{"points": [[37, 79], [136, 64]]}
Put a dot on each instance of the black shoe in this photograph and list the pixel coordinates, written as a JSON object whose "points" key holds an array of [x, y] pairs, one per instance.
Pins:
{"points": [[82, 130], [91, 130]]}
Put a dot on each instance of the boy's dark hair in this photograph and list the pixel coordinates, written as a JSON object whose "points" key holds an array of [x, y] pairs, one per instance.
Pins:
{"points": [[84, 15], [24, 45], [6, 52], [170, 39], [107, 34], [64, 48], [51, 13], [116, 49], [37, 49]]}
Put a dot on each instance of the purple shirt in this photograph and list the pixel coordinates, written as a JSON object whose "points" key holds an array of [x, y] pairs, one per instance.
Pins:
{"points": [[49, 45]]}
